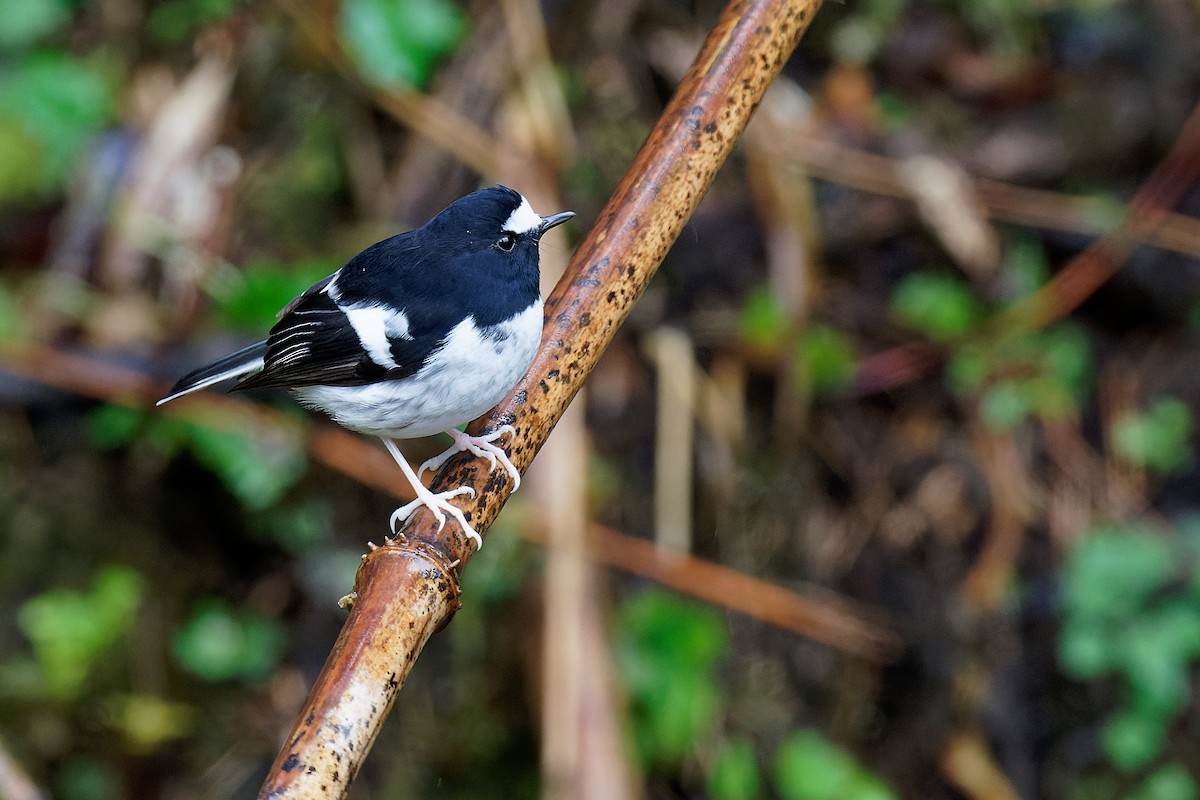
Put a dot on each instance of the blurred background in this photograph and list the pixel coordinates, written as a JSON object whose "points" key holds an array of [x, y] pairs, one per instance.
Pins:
{"points": [[888, 487]]}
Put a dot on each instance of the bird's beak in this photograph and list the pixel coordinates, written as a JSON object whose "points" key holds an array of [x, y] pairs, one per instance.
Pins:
{"points": [[554, 219]]}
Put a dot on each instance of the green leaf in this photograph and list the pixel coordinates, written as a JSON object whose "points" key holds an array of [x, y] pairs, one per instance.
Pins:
{"points": [[51, 104], [1042, 374], [1085, 648], [683, 714], [216, 644], [257, 466], [111, 426], [27, 21], [971, 364], [71, 630], [176, 20], [1169, 782], [1066, 354], [667, 650], [398, 42], [675, 631], [1132, 739], [1005, 405], [734, 773], [1157, 439], [12, 315], [763, 322], [84, 777], [1112, 571], [865, 786], [810, 767], [147, 722], [298, 527], [252, 297], [826, 359], [1155, 666], [941, 306]]}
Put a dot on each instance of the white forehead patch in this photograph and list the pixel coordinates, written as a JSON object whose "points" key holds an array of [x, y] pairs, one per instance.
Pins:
{"points": [[523, 219]]}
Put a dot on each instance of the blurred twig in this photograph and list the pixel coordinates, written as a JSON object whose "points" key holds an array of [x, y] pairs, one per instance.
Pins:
{"points": [[1085, 273], [1149, 210], [830, 619], [438, 123], [1036, 208]]}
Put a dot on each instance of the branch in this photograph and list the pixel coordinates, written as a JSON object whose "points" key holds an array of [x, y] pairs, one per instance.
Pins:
{"points": [[407, 590]]}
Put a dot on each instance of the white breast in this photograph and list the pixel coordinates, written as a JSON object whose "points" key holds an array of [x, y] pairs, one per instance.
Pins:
{"points": [[470, 374]]}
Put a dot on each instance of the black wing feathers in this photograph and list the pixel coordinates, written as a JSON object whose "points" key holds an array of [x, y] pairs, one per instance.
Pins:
{"points": [[313, 343]]}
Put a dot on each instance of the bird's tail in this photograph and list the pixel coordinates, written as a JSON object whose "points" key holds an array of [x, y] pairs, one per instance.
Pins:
{"points": [[244, 362]]}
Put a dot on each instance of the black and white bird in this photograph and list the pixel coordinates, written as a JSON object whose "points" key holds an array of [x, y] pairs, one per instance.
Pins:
{"points": [[413, 336]]}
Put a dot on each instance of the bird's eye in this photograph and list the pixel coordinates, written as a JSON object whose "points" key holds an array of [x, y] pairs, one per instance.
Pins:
{"points": [[507, 241]]}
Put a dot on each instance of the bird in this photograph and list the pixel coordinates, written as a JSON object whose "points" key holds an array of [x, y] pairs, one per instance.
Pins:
{"points": [[415, 335]]}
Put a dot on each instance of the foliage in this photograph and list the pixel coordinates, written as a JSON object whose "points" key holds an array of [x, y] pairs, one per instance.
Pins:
{"points": [[12, 320], [175, 20], [763, 323], [1157, 438], [72, 630], [1131, 608], [218, 644], [51, 105], [810, 767], [734, 772], [667, 652], [87, 778], [298, 527], [825, 359], [257, 464], [51, 102], [250, 298], [398, 42], [26, 22], [1169, 782], [943, 307], [823, 356], [1042, 374], [147, 722]]}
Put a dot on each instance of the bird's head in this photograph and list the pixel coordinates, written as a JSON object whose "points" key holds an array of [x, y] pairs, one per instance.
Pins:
{"points": [[495, 227]]}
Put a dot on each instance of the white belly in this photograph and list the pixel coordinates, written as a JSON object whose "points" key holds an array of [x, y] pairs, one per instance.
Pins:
{"points": [[468, 376]]}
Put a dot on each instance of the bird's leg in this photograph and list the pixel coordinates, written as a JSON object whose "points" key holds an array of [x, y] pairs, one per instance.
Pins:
{"points": [[481, 446], [437, 503]]}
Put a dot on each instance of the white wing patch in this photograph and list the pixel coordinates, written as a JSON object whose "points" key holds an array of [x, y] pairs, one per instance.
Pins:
{"points": [[374, 325], [472, 371], [523, 219]]}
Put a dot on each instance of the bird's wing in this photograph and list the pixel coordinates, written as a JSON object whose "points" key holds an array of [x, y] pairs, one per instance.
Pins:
{"points": [[318, 340]]}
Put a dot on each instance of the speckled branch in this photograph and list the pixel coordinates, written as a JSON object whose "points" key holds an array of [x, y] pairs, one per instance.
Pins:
{"points": [[407, 590]]}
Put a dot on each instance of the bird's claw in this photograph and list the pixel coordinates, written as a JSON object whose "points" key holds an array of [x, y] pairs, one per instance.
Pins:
{"points": [[437, 503], [480, 446]]}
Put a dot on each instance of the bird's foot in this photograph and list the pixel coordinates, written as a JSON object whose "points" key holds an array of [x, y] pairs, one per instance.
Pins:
{"points": [[439, 505], [480, 446]]}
